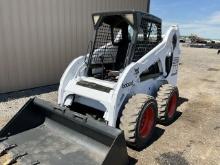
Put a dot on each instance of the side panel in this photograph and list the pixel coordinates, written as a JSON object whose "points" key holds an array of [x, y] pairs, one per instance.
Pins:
{"points": [[175, 50]]}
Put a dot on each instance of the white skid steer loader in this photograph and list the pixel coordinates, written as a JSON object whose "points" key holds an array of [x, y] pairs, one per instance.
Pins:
{"points": [[130, 74], [127, 81]]}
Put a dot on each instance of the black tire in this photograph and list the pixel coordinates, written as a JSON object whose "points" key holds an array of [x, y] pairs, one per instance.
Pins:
{"points": [[167, 99], [138, 120]]}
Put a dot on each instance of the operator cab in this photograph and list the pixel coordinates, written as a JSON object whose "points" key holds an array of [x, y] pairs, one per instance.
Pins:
{"points": [[121, 38]]}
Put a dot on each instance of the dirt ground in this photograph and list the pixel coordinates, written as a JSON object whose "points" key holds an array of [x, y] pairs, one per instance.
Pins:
{"points": [[193, 138]]}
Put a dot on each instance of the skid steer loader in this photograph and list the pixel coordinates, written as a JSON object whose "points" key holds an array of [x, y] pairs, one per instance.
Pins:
{"points": [[112, 96]]}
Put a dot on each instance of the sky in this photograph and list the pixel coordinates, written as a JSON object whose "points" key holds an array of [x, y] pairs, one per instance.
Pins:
{"points": [[200, 17]]}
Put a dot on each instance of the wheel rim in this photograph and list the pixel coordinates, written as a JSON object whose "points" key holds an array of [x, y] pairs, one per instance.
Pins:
{"points": [[147, 122], [172, 105]]}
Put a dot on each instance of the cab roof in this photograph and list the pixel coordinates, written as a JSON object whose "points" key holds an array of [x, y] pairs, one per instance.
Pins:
{"points": [[137, 14]]}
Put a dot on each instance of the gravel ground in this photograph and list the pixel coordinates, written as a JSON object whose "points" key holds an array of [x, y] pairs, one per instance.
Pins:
{"points": [[10, 103], [193, 138]]}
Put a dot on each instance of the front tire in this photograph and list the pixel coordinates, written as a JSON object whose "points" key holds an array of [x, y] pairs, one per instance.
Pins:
{"points": [[138, 120]]}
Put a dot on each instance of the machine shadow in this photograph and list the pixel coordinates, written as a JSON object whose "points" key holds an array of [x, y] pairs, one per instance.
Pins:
{"points": [[176, 117], [132, 161], [181, 101], [157, 134], [28, 93]]}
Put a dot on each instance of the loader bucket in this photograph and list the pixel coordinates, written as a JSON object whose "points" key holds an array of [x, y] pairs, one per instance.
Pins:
{"points": [[43, 133]]}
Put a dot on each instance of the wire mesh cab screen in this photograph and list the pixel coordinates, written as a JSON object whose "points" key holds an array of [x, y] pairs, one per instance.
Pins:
{"points": [[149, 36], [104, 50], [112, 39]]}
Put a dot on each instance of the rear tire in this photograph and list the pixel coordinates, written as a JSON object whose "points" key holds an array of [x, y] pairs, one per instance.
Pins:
{"points": [[138, 120], [167, 98]]}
